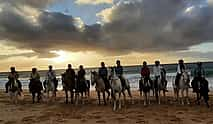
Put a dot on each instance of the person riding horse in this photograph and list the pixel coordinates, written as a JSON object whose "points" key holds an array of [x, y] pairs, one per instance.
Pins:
{"points": [[159, 72], [68, 80], [180, 69], [201, 88], [119, 73], [145, 72], [103, 73], [13, 76], [81, 81], [35, 85], [51, 79]]}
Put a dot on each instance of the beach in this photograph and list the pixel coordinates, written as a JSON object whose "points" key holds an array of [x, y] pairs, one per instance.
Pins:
{"points": [[169, 112]]}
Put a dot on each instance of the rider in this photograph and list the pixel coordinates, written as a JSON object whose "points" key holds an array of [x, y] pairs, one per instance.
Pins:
{"points": [[119, 73], [51, 78], [34, 76], [81, 74], [180, 69], [159, 72], [70, 73], [13, 75], [103, 73], [199, 73], [145, 72]]}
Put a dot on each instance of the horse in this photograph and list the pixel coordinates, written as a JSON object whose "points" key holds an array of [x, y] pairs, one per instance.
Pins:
{"points": [[81, 88], [126, 87], [158, 87], [200, 87], [116, 89], [183, 85], [145, 87], [14, 90], [100, 86], [50, 86], [68, 86], [35, 86]]}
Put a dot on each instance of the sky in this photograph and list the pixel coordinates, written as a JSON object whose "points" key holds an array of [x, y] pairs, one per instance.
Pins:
{"points": [[38, 33]]}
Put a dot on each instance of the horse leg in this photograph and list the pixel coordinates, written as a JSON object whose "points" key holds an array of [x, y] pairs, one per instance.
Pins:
{"points": [[114, 102], [182, 97], [104, 97], [108, 95], [33, 97], [71, 96], [187, 96], [130, 95], [198, 98], [119, 100], [145, 99], [164, 95], [159, 97], [206, 98], [76, 98], [66, 98], [82, 97], [39, 96], [99, 100], [156, 95], [149, 97], [16, 97], [124, 97], [177, 93]]}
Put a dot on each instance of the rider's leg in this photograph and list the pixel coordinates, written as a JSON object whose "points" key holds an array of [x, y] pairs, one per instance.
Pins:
{"points": [[177, 79], [7, 87]]}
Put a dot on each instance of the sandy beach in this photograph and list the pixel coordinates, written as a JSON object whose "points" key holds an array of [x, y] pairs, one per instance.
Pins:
{"points": [[169, 112]]}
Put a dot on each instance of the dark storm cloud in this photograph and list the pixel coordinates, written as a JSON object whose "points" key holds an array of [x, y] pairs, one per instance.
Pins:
{"points": [[139, 25]]}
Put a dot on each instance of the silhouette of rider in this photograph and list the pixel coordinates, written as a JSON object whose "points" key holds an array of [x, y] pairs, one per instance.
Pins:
{"points": [[180, 69], [103, 73], [70, 73], [119, 73], [81, 73]]}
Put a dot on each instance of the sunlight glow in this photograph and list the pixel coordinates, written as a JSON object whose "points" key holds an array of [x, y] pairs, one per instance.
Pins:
{"points": [[62, 56]]}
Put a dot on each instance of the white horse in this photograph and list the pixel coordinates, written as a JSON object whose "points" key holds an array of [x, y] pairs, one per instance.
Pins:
{"points": [[145, 87], [183, 85], [100, 85], [50, 88], [159, 86], [116, 86], [14, 91]]}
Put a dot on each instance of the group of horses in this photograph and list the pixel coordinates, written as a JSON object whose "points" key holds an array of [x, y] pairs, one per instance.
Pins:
{"points": [[79, 90], [200, 87]]}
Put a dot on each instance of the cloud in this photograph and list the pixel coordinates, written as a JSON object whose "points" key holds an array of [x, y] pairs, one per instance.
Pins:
{"points": [[33, 3], [94, 2], [129, 26]]}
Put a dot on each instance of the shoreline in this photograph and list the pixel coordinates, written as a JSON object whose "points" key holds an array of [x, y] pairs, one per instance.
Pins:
{"points": [[169, 112]]}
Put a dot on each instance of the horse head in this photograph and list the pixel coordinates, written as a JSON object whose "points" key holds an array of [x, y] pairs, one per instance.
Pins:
{"points": [[185, 76], [94, 76]]}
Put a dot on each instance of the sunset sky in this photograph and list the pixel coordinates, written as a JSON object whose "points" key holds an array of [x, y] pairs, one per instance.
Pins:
{"points": [[37, 33]]}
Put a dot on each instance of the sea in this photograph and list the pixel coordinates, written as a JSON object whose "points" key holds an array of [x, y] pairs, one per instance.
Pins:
{"points": [[132, 73]]}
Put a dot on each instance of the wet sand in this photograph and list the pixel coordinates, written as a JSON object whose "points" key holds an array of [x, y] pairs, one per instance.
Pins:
{"points": [[169, 112]]}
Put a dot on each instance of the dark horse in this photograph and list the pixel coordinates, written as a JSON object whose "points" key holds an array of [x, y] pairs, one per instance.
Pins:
{"points": [[35, 86], [200, 87], [69, 86], [145, 85], [81, 88]]}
